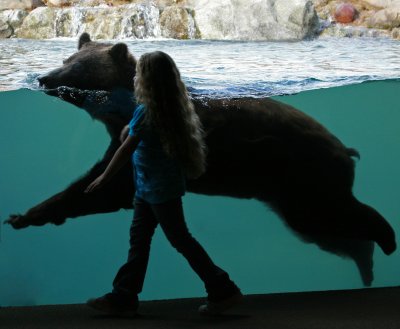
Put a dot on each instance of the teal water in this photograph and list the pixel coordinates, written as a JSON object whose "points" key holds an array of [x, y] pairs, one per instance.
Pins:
{"points": [[46, 143]]}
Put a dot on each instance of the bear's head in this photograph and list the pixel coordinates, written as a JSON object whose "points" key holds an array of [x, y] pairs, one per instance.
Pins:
{"points": [[95, 66]]}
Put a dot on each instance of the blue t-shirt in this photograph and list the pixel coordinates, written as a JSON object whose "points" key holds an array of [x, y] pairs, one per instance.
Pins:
{"points": [[158, 177]]}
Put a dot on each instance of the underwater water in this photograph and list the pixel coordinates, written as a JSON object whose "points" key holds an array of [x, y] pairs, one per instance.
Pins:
{"points": [[349, 85], [46, 143]]}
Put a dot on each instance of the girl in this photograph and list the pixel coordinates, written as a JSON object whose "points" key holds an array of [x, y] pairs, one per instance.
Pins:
{"points": [[166, 140]]}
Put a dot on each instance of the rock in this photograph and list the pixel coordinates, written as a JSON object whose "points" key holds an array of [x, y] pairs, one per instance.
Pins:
{"points": [[167, 3], [37, 3], [113, 3], [177, 23], [83, 3], [396, 33], [345, 13], [15, 4], [380, 3], [143, 21], [5, 29], [58, 3], [129, 21], [320, 2], [10, 20], [324, 9], [388, 18], [298, 16], [90, 3], [257, 20], [69, 21], [348, 31], [38, 24], [382, 16], [16, 17]]}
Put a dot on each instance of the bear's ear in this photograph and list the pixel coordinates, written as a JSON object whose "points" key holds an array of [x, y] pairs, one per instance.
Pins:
{"points": [[84, 38], [119, 52]]}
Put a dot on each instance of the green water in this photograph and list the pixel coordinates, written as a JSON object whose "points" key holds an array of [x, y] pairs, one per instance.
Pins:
{"points": [[46, 143]]}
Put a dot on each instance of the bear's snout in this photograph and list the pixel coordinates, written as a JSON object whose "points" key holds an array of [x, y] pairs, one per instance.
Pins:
{"points": [[43, 79], [53, 79]]}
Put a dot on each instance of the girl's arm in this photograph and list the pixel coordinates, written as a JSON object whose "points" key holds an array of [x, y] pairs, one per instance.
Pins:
{"points": [[121, 156], [124, 133]]}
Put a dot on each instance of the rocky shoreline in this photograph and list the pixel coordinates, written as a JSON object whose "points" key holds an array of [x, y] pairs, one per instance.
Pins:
{"points": [[200, 19], [374, 18]]}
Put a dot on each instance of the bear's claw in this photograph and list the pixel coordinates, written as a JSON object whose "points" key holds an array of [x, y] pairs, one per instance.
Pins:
{"points": [[17, 221]]}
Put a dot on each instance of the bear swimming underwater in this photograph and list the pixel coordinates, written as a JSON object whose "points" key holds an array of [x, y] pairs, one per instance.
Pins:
{"points": [[258, 148]]}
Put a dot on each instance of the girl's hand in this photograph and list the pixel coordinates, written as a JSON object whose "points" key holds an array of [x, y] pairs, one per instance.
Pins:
{"points": [[96, 184], [124, 134], [120, 158]]}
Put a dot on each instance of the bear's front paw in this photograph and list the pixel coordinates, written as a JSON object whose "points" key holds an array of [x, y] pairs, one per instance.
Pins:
{"points": [[17, 221]]}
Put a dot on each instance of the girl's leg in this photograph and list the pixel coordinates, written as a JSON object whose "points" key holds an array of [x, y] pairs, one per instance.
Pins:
{"points": [[171, 218], [130, 277]]}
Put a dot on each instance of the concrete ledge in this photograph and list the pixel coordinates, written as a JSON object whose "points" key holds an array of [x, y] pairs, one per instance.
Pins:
{"points": [[351, 309]]}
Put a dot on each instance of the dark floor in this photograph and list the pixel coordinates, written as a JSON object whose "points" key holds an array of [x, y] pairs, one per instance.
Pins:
{"points": [[351, 309]]}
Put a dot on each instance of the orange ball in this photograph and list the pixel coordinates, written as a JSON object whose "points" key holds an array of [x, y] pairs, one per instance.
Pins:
{"points": [[345, 13]]}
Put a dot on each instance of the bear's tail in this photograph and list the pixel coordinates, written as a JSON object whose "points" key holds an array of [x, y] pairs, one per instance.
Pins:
{"points": [[351, 152]]}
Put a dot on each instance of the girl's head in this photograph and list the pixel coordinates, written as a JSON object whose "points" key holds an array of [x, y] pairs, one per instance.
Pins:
{"points": [[169, 110], [156, 74]]}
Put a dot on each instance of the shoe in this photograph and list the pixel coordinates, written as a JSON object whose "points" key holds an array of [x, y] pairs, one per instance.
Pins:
{"points": [[216, 308], [111, 305]]}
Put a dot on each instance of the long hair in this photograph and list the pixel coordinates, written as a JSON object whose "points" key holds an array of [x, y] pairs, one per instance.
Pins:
{"points": [[169, 110]]}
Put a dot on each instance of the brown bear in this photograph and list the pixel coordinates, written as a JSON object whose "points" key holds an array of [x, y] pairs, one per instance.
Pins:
{"points": [[258, 148]]}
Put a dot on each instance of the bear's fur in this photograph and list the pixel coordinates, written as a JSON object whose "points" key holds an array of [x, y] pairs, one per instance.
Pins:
{"points": [[258, 148], [97, 66]]}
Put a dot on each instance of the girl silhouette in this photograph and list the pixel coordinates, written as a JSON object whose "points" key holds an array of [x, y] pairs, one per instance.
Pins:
{"points": [[166, 144]]}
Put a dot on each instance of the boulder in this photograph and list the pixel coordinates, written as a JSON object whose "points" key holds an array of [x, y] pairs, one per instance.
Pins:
{"points": [[388, 18], [88, 3], [5, 29], [396, 33], [10, 20], [167, 3], [15, 4], [141, 21], [255, 20], [177, 23], [298, 17], [84, 3], [38, 24], [16, 17], [349, 31], [345, 13], [129, 21], [109, 3], [37, 3], [58, 3], [380, 3], [379, 17]]}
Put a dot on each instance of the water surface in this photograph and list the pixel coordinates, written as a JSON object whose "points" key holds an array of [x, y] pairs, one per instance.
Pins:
{"points": [[227, 68]]}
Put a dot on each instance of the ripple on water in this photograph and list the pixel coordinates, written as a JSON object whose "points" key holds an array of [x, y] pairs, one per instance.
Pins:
{"points": [[225, 68]]}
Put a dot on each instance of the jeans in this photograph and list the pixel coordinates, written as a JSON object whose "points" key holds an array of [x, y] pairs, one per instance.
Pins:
{"points": [[130, 277]]}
